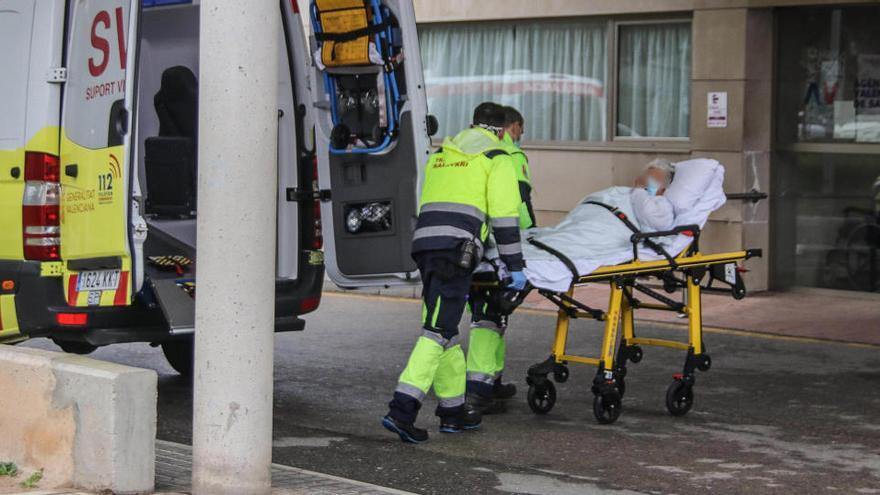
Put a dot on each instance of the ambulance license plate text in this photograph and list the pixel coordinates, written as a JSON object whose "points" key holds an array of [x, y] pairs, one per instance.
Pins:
{"points": [[98, 280]]}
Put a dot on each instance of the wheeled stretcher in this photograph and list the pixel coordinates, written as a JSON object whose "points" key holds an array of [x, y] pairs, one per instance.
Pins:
{"points": [[359, 54], [690, 272]]}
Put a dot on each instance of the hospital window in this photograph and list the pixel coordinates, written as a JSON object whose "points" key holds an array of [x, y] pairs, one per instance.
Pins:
{"points": [[653, 80], [558, 73]]}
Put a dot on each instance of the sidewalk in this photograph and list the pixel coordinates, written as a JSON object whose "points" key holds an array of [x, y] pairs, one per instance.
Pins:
{"points": [[174, 470], [807, 313]]}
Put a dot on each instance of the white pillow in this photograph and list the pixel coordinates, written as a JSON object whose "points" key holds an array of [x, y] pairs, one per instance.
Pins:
{"points": [[692, 178]]}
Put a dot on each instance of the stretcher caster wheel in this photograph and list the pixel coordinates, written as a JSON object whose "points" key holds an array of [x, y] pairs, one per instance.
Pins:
{"points": [[636, 354], [679, 398], [560, 374], [542, 397], [606, 408], [704, 362], [620, 384]]}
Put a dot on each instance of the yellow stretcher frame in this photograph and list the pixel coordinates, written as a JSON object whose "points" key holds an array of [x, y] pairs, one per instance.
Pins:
{"points": [[609, 385]]}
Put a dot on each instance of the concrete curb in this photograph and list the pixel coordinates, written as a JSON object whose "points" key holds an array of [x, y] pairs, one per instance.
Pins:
{"points": [[88, 423]]}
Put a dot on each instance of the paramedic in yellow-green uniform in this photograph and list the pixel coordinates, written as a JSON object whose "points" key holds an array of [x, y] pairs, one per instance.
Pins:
{"points": [[486, 347], [469, 186], [513, 131]]}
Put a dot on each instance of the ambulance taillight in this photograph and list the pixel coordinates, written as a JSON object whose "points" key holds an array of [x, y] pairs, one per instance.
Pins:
{"points": [[41, 217]]}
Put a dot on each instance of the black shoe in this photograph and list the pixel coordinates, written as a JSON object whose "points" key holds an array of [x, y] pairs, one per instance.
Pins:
{"points": [[467, 419], [408, 432], [485, 405], [503, 390]]}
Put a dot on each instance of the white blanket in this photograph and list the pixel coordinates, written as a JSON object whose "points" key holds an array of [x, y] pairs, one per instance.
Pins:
{"points": [[592, 237]]}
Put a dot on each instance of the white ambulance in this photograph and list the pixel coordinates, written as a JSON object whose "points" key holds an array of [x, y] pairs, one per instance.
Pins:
{"points": [[98, 144]]}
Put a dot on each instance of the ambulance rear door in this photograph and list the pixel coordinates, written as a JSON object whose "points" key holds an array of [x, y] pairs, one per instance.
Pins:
{"points": [[100, 249], [370, 200]]}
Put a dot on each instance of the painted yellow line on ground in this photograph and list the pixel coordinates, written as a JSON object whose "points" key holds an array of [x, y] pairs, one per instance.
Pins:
{"points": [[663, 324]]}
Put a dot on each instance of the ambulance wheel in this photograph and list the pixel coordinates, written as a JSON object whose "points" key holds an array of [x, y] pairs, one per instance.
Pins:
{"points": [[560, 374], [542, 397], [73, 347], [179, 354], [679, 398], [606, 408]]}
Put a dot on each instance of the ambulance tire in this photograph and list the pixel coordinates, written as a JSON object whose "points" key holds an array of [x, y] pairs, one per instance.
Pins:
{"points": [[179, 354], [73, 347]]}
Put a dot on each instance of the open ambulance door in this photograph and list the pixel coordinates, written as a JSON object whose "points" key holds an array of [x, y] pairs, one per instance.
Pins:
{"points": [[372, 141], [100, 248]]}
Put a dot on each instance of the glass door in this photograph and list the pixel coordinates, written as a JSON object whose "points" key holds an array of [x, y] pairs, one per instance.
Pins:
{"points": [[826, 170]]}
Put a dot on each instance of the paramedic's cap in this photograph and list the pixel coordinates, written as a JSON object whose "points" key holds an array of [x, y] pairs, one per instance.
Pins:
{"points": [[665, 165]]}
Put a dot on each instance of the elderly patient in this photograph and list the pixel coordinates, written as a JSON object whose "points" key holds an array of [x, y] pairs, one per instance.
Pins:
{"points": [[653, 211]]}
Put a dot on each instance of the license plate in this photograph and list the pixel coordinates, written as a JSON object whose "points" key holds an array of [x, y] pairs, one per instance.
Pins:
{"points": [[97, 280]]}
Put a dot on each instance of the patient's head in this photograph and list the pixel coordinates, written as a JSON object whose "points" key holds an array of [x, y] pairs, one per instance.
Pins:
{"points": [[656, 177]]}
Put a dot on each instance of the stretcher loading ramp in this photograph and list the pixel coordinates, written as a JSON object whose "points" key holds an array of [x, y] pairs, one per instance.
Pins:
{"points": [[177, 305]]}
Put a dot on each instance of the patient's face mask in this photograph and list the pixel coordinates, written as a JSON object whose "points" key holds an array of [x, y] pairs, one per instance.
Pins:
{"points": [[652, 186]]}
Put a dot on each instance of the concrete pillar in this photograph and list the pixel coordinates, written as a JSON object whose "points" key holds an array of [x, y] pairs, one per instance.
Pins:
{"points": [[732, 52], [235, 303]]}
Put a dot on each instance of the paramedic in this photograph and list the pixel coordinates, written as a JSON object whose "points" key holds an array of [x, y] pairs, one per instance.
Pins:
{"points": [[513, 131], [653, 211], [468, 182], [486, 346]]}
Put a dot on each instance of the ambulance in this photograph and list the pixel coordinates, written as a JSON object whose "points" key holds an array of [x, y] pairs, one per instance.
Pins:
{"points": [[98, 164]]}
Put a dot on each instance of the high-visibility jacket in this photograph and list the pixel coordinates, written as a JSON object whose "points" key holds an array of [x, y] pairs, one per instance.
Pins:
{"points": [[524, 178], [470, 184]]}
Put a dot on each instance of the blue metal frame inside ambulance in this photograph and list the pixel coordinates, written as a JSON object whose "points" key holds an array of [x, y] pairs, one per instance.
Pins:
{"points": [[40, 292], [392, 175]]}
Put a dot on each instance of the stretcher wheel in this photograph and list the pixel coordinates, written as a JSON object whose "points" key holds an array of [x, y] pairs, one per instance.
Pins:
{"points": [[704, 362], [542, 397], [606, 408], [679, 398], [340, 136], [636, 354], [620, 383], [560, 374]]}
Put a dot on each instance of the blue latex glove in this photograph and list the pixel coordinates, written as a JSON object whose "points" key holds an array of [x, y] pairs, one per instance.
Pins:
{"points": [[518, 281]]}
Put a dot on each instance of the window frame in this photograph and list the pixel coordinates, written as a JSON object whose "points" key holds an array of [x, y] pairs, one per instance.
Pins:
{"points": [[610, 140]]}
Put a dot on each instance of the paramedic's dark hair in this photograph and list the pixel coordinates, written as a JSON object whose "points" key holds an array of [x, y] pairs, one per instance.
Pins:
{"points": [[512, 116], [488, 113]]}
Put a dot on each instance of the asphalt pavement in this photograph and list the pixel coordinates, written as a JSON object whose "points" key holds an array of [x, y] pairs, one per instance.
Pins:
{"points": [[773, 415]]}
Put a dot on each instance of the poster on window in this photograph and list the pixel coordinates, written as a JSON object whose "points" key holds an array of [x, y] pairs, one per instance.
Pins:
{"points": [[867, 100]]}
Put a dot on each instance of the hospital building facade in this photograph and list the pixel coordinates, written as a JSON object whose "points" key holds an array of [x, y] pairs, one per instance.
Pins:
{"points": [[784, 93]]}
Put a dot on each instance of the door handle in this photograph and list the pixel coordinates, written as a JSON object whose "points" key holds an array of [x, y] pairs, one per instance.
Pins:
{"points": [[15, 172], [71, 170]]}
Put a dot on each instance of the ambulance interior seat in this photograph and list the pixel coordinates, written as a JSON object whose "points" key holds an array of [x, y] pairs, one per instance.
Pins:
{"points": [[170, 158]]}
